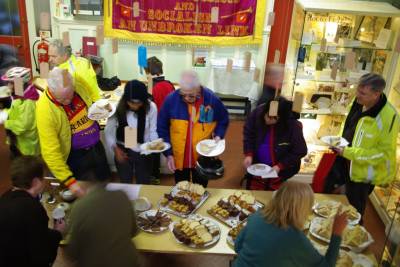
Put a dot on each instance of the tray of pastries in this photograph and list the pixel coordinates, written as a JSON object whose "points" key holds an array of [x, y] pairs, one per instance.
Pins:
{"points": [[347, 258], [329, 208], [233, 233], [355, 237], [184, 199], [153, 221], [196, 231], [235, 208]]}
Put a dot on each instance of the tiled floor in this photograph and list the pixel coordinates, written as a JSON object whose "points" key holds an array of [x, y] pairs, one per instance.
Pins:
{"points": [[233, 173]]}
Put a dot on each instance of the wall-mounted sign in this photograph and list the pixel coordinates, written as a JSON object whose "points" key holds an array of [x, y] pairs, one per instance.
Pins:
{"points": [[186, 21]]}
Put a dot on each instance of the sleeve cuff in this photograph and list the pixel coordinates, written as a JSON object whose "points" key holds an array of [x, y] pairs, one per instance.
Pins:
{"points": [[69, 181], [249, 154], [281, 166]]}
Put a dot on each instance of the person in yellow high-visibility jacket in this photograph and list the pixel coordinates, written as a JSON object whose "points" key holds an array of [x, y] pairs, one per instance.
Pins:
{"points": [[61, 56], [371, 128]]}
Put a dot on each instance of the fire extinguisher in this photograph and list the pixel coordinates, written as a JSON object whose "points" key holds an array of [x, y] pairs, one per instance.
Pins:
{"points": [[42, 52]]}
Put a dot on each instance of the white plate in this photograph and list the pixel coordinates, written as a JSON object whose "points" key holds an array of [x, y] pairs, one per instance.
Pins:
{"points": [[317, 222], [97, 114], [206, 245], [316, 206], [260, 169], [215, 148], [143, 148], [357, 258], [327, 140], [142, 204], [153, 213]]}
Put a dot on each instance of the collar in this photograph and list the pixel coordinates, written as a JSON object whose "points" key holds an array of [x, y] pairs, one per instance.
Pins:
{"points": [[374, 111], [52, 98], [158, 78]]}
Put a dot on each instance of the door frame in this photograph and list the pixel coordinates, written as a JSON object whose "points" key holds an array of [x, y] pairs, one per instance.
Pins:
{"points": [[24, 34]]}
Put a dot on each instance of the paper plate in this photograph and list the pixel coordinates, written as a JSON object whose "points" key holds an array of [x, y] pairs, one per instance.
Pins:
{"points": [[144, 148], [210, 148], [329, 141], [260, 169], [95, 113]]}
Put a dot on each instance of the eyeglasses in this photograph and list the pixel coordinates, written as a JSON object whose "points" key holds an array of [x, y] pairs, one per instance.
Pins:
{"points": [[188, 95]]}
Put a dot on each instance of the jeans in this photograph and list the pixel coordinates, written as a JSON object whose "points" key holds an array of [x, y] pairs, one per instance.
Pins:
{"points": [[139, 165], [90, 163], [190, 174]]}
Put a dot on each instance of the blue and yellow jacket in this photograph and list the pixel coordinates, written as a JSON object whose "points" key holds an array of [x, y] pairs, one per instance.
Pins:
{"points": [[173, 122]]}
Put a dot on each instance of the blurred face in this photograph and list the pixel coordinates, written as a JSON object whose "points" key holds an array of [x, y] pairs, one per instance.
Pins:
{"points": [[274, 75], [11, 86], [64, 95], [270, 120], [54, 58], [366, 96], [134, 106], [189, 95]]}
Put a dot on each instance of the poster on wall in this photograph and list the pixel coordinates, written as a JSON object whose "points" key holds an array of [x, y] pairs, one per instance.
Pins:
{"points": [[191, 22]]}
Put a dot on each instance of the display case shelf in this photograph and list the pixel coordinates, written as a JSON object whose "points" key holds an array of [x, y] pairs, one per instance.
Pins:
{"points": [[347, 47]]}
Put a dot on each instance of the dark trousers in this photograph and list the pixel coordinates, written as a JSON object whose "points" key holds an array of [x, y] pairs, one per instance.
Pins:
{"points": [[156, 165], [89, 164], [357, 194], [139, 165], [190, 174]]}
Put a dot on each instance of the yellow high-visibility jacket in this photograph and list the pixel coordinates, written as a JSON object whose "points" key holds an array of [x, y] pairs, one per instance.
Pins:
{"points": [[55, 132]]}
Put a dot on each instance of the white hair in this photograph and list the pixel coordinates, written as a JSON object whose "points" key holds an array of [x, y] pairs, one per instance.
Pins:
{"points": [[61, 49], [55, 81], [189, 80]]}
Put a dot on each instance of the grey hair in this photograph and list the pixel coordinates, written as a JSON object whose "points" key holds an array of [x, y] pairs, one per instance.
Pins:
{"points": [[189, 80], [61, 49], [55, 81], [374, 80]]}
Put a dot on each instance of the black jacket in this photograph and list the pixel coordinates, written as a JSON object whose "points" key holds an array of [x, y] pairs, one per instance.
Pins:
{"points": [[289, 145], [25, 239]]}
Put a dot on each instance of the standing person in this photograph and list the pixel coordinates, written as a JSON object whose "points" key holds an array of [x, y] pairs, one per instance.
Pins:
{"points": [[137, 111], [161, 89], [275, 237], [69, 140], [189, 115], [61, 56], [371, 127], [21, 121], [26, 239], [274, 141], [102, 225]]}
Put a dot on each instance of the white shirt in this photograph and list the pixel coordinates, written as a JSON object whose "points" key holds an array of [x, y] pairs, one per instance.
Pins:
{"points": [[150, 131]]}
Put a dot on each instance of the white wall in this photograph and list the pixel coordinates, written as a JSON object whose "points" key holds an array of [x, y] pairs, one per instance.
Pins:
{"points": [[124, 63]]}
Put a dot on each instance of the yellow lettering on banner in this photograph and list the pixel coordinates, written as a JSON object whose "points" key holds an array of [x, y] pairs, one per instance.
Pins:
{"points": [[166, 15], [122, 24], [150, 14], [170, 27], [143, 25], [158, 14], [179, 28], [162, 27], [243, 31], [188, 16], [220, 30], [197, 28], [207, 29], [179, 16], [172, 15], [178, 6], [187, 28], [152, 25]]}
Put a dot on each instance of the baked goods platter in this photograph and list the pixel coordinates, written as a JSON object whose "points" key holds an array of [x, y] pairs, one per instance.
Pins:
{"points": [[235, 208], [233, 233], [329, 208], [196, 231], [184, 199], [355, 237], [153, 221], [347, 258]]}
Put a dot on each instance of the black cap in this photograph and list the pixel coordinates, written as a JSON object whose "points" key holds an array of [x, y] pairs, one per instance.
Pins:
{"points": [[136, 91]]}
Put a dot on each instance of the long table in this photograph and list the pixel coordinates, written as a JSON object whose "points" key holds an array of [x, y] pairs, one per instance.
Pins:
{"points": [[166, 243]]}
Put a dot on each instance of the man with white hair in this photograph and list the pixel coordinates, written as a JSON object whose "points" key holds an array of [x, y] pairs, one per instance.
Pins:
{"points": [[189, 115], [70, 141], [61, 56]]}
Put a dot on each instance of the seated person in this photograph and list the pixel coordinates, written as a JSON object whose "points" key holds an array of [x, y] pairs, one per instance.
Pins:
{"points": [[274, 141], [102, 224], [275, 237], [25, 239]]}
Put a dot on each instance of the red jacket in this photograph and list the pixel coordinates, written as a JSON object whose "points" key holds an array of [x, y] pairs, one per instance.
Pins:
{"points": [[161, 89]]}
